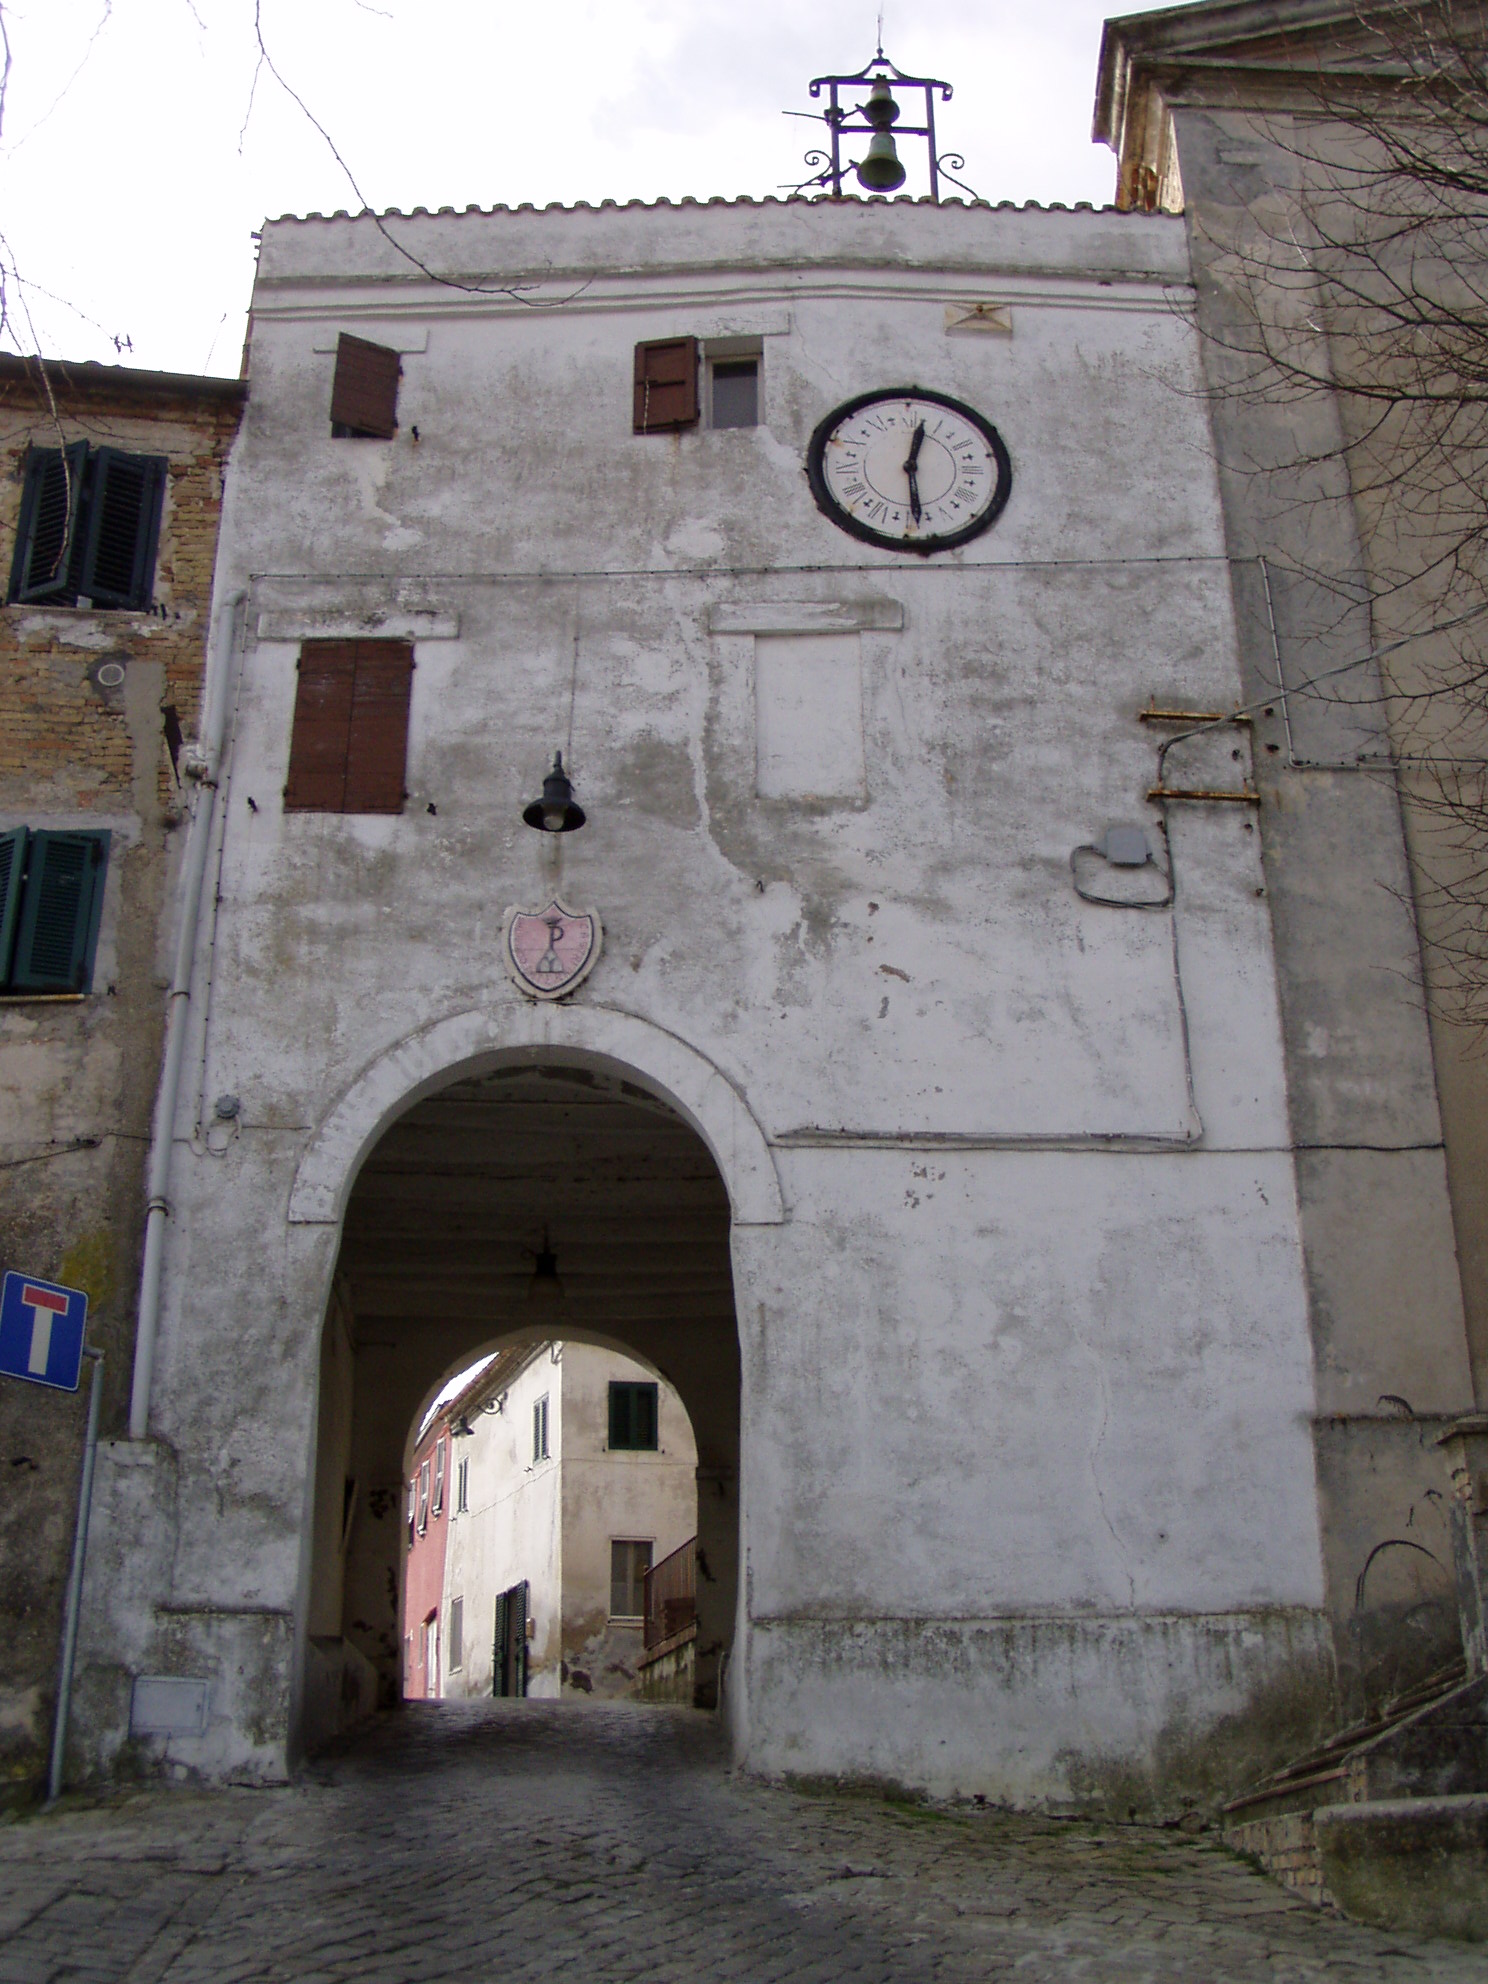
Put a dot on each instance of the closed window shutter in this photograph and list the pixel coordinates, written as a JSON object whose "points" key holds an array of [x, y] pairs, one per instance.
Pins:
{"points": [[644, 1429], [519, 1638], [322, 728], [12, 869], [377, 754], [60, 914], [666, 385], [619, 1416], [364, 393], [123, 528], [48, 533], [501, 1650]]}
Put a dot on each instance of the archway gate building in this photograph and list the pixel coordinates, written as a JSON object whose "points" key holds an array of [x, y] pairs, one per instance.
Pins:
{"points": [[968, 1231]]}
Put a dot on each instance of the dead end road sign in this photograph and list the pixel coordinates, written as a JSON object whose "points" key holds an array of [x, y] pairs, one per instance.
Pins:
{"points": [[41, 1331]]}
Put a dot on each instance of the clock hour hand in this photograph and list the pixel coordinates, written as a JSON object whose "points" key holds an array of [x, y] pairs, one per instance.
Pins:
{"points": [[909, 469]]}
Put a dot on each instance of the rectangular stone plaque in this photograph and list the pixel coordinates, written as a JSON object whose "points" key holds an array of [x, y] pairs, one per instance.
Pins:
{"points": [[168, 1705]]}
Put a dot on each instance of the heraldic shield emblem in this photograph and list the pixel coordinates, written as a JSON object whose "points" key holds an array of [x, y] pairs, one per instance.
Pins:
{"points": [[550, 951]]}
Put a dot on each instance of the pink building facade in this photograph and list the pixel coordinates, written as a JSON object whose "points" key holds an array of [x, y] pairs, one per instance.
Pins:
{"points": [[429, 1490]]}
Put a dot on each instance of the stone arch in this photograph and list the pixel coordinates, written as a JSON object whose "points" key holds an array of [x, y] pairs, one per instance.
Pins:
{"points": [[467, 1043]]}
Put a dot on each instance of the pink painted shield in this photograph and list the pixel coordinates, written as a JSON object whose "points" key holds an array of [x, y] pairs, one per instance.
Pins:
{"points": [[548, 951]]}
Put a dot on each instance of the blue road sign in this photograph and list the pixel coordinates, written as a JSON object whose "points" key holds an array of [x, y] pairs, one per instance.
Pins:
{"points": [[41, 1331]]}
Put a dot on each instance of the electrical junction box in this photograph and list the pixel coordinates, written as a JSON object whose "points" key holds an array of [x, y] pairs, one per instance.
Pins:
{"points": [[1126, 847]]}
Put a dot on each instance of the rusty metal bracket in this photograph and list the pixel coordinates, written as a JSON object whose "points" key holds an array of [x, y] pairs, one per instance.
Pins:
{"points": [[1245, 797], [1194, 716]]}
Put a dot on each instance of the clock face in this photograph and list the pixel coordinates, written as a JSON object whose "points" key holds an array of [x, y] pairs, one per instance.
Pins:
{"points": [[909, 470]]}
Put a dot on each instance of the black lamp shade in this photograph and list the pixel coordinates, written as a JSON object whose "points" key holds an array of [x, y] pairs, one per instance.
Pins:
{"points": [[556, 812]]}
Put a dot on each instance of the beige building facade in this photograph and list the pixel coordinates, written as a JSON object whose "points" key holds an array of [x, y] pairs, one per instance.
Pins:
{"points": [[577, 1474]]}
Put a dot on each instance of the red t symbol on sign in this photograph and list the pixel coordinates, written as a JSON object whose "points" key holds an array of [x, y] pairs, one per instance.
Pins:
{"points": [[44, 1305]]}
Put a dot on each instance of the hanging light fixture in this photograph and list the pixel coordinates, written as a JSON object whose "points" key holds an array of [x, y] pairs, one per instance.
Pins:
{"points": [[881, 171], [556, 812], [545, 1289]]}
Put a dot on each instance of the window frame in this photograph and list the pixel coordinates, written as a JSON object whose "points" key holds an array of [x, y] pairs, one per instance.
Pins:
{"points": [[662, 404], [423, 1498], [631, 1391], [455, 1638], [734, 363], [436, 1507], [364, 386], [462, 1485], [635, 1583], [541, 1430], [96, 527], [34, 888], [351, 698]]}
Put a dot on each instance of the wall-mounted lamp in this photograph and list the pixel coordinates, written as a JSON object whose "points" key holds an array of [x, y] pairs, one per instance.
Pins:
{"points": [[556, 812], [545, 1289]]}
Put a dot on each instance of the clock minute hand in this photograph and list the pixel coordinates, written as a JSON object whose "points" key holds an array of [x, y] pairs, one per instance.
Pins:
{"points": [[910, 467]]}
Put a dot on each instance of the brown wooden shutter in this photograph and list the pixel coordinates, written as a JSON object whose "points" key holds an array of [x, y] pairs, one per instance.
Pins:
{"points": [[364, 397], [322, 728], [378, 750], [349, 749], [666, 385]]}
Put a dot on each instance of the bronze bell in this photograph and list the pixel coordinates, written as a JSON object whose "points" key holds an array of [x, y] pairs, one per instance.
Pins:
{"points": [[881, 171]]}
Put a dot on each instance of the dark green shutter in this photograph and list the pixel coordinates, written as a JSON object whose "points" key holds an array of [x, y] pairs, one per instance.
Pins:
{"points": [[12, 871], [500, 1643], [632, 1417], [644, 1427], [123, 528], [48, 534], [60, 914]]}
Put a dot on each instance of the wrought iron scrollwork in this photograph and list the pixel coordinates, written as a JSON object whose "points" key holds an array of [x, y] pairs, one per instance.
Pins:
{"points": [[944, 165]]}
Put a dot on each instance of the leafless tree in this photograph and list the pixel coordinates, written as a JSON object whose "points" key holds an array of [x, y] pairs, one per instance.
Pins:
{"points": [[1365, 280]]}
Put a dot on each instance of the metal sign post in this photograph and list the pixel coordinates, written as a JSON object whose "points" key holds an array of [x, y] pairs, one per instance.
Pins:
{"points": [[75, 1577]]}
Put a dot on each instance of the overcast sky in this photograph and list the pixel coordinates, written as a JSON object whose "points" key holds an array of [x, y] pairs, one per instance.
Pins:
{"points": [[139, 153]]}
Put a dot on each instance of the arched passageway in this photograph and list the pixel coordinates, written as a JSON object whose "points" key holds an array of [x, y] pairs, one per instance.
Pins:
{"points": [[436, 1260]]}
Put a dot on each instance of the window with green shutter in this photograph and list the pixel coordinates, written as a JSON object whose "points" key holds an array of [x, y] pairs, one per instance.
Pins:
{"points": [[633, 1418], [89, 528], [51, 903], [12, 875]]}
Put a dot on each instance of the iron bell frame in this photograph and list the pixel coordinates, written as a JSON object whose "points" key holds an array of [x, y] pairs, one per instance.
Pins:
{"points": [[840, 121]]}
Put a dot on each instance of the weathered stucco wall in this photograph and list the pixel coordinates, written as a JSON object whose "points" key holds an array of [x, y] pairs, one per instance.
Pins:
{"points": [[77, 1075], [1026, 1369]]}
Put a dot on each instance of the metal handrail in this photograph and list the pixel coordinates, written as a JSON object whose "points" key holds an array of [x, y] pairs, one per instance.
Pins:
{"points": [[669, 1595]]}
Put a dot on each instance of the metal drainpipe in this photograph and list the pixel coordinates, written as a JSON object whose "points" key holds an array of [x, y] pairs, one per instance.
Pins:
{"points": [[162, 1135]]}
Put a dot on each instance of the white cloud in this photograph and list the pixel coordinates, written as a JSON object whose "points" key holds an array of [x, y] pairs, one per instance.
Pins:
{"points": [[130, 202]]}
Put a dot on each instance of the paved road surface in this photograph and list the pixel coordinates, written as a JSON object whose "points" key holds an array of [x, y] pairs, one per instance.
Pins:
{"points": [[590, 1844]]}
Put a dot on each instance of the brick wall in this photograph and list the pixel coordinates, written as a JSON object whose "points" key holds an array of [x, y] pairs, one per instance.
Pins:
{"points": [[78, 1077]]}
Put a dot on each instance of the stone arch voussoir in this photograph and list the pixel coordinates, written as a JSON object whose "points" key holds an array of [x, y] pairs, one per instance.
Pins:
{"points": [[469, 1043]]}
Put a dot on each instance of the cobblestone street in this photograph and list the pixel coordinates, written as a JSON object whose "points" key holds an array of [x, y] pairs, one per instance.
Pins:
{"points": [[526, 1840]]}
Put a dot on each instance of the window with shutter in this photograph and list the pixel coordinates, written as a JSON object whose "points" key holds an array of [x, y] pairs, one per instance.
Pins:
{"points": [[89, 528], [633, 1417], [364, 393], [12, 874], [349, 750], [124, 495], [666, 385], [42, 569], [61, 906]]}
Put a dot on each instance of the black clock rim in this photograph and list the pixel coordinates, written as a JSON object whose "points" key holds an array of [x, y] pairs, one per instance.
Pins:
{"points": [[924, 547]]}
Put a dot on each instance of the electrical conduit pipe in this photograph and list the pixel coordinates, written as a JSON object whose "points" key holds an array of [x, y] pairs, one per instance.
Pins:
{"points": [[225, 647]]}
